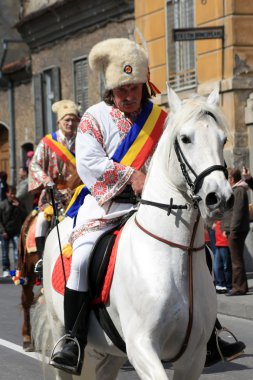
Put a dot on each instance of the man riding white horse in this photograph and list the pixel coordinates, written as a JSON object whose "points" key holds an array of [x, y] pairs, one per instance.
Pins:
{"points": [[51, 163], [102, 129]]}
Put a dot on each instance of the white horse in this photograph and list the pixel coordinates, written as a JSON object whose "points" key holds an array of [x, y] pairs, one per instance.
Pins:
{"points": [[162, 299]]}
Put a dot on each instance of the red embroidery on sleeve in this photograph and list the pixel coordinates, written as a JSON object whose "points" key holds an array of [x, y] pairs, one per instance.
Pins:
{"points": [[99, 188], [110, 177], [89, 125]]}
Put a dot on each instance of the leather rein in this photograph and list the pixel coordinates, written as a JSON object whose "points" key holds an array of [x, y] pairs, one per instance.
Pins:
{"points": [[190, 249]]}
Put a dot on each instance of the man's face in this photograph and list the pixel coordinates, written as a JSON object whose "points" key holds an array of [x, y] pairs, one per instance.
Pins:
{"points": [[22, 173], [68, 125], [10, 195], [127, 98]]}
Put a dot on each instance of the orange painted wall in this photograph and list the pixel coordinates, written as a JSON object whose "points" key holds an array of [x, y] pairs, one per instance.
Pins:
{"points": [[150, 20]]}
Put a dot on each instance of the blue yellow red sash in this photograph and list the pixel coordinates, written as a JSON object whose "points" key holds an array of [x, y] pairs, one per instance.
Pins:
{"points": [[133, 150], [62, 152]]}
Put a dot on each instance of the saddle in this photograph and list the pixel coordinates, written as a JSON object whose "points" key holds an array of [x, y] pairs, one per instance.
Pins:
{"points": [[103, 257], [100, 276]]}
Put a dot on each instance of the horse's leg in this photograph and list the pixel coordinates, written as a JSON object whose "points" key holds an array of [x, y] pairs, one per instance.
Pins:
{"points": [[191, 368], [26, 301], [145, 359], [27, 298], [61, 375], [102, 366]]}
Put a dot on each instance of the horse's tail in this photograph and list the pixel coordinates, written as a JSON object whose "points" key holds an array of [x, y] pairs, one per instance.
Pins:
{"points": [[41, 328], [38, 297]]}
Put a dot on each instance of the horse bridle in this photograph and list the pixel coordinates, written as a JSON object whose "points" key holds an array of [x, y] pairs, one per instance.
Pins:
{"points": [[194, 186], [184, 164]]}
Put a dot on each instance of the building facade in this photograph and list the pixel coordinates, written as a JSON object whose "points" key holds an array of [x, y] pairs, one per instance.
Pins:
{"points": [[201, 65], [58, 36]]}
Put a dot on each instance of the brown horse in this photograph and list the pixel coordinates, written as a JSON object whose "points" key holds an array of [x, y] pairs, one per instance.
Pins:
{"points": [[26, 262], [27, 258]]}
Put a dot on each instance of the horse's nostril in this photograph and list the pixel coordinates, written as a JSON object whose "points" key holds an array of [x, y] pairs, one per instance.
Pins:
{"points": [[230, 202], [212, 199]]}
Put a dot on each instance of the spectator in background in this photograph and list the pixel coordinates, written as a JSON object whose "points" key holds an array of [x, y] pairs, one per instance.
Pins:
{"points": [[29, 156], [22, 194], [12, 216], [236, 225], [3, 185], [222, 261], [211, 233], [247, 177]]}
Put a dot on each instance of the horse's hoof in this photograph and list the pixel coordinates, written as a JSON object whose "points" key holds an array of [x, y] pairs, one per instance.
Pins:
{"points": [[28, 347]]}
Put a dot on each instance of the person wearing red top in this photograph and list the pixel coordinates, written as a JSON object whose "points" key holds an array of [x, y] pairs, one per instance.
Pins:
{"points": [[222, 261]]}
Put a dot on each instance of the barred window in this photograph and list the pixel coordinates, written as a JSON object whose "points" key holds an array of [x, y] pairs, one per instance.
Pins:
{"points": [[181, 54], [81, 83], [47, 90]]}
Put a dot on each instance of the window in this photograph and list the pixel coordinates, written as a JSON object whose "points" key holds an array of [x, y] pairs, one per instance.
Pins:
{"points": [[181, 54], [101, 86], [25, 148], [81, 83], [47, 90]]}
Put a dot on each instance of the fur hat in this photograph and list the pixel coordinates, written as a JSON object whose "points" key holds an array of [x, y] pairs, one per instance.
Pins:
{"points": [[121, 60], [65, 107]]}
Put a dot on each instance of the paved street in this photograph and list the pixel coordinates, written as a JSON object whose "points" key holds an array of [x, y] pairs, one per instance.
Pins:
{"points": [[239, 369], [15, 364]]}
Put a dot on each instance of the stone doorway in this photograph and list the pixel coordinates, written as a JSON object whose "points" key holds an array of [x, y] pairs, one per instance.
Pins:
{"points": [[4, 150]]}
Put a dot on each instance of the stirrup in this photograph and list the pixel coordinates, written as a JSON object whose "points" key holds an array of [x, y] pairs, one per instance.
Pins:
{"points": [[217, 333], [38, 267], [74, 369]]}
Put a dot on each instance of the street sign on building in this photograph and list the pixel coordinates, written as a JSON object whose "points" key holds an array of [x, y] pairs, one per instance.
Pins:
{"points": [[189, 34]]}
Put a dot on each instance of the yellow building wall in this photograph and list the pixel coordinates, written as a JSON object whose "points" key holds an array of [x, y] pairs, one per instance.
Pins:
{"points": [[237, 18], [150, 21]]}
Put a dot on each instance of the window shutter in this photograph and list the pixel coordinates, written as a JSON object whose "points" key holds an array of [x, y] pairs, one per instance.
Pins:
{"points": [[81, 83], [38, 105], [56, 78]]}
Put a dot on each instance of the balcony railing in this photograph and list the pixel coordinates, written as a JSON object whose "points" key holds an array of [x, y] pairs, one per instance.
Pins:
{"points": [[183, 80]]}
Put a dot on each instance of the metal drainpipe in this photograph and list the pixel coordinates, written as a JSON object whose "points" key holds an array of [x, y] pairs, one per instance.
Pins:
{"points": [[12, 149], [12, 132]]}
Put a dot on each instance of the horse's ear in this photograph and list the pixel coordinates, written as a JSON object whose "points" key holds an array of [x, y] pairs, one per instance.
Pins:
{"points": [[214, 98], [175, 102]]}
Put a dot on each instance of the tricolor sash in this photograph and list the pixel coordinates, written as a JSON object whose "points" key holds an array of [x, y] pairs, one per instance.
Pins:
{"points": [[62, 151], [133, 150]]}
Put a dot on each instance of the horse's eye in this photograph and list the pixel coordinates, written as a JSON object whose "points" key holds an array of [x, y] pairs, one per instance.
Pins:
{"points": [[225, 141], [185, 140]]}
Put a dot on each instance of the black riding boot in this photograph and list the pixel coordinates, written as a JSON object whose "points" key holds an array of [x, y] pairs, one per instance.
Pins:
{"points": [[67, 358], [228, 350], [40, 245]]}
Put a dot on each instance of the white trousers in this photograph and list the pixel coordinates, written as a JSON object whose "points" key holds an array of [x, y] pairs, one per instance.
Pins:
{"points": [[82, 248], [90, 211], [41, 225]]}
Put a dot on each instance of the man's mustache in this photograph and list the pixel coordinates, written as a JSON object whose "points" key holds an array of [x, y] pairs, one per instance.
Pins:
{"points": [[128, 103]]}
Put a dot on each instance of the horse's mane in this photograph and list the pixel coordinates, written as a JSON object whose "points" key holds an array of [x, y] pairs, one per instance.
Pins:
{"points": [[194, 108]]}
